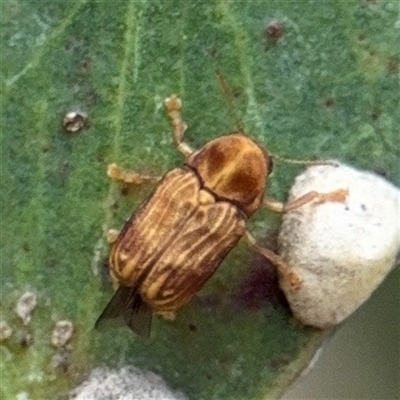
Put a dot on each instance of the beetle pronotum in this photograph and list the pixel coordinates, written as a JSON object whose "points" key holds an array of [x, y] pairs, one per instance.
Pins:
{"points": [[178, 237]]}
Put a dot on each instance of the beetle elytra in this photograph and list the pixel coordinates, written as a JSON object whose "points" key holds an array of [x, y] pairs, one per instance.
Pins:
{"points": [[178, 237]]}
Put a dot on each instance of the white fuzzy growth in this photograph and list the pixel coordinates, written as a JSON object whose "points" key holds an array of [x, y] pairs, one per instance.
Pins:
{"points": [[340, 252], [126, 383], [25, 306], [62, 333]]}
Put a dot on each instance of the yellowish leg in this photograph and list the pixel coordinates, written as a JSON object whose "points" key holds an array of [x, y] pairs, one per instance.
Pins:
{"points": [[275, 259], [116, 172], [304, 162], [112, 235], [337, 196], [273, 205], [167, 315], [173, 105]]}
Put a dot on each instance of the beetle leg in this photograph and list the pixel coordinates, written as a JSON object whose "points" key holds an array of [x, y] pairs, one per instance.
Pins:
{"points": [[337, 196], [275, 259], [114, 171], [112, 235], [167, 315], [273, 205], [173, 105]]}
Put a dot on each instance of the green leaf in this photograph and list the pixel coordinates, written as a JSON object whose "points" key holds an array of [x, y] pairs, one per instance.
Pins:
{"points": [[327, 88]]}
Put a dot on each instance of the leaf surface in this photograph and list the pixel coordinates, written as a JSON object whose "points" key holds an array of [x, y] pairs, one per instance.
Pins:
{"points": [[326, 88]]}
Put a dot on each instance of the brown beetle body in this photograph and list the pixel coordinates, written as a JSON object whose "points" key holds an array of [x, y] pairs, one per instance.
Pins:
{"points": [[175, 241], [197, 214], [178, 237]]}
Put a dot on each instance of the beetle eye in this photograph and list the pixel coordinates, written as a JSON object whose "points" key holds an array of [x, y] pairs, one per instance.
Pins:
{"points": [[270, 165]]}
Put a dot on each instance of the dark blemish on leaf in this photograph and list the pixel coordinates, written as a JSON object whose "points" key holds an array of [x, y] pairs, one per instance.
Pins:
{"points": [[65, 170], [211, 52], [329, 102], [100, 157], [192, 328], [362, 37], [45, 149], [85, 65], [393, 65], [104, 270], [260, 286], [274, 30], [381, 172], [279, 362], [61, 361], [376, 113], [237, 92], [51, 263], [125, 190], [209, 376], [115, 206], [209, 302], [91, 98], [26, 247], [25, 339], [74, 44]]}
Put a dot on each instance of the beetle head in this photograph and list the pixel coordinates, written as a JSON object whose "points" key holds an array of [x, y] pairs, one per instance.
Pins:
{"points": [[234, 168]]}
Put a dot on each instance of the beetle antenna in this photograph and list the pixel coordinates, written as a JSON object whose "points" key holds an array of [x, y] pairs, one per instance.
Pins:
{"points": [[228, 95], [304, 162]]}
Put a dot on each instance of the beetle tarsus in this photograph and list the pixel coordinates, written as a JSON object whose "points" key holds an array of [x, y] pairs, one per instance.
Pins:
{"points": [[118, 173], [273, 205], [173, 105], [336, 196], [276, 260]]}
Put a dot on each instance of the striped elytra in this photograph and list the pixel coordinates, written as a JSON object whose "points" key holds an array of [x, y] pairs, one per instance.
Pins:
{"points": [[178, 237]]}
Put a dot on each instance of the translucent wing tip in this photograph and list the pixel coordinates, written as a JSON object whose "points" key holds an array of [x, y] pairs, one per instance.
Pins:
{"points": [[126, 307]]}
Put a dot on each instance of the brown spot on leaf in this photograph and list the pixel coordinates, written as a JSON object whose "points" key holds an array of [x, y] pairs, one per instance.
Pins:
{"points": [[100, 157], [91, 98], [393, 65], [362, 37], [274, 30], [125, 190], [260, 286], [85, 65], [329, 102], [25, 339], [279, 362], [376, 113], [237, 92], [381, 172]]}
